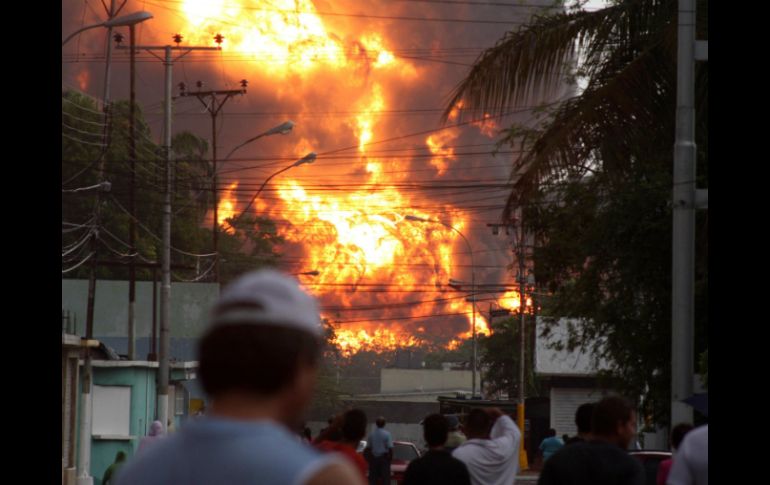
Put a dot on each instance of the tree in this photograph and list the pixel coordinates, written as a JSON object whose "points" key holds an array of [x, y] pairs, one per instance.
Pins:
{"points": [[594, 183], [500, 358], [250, 245]]}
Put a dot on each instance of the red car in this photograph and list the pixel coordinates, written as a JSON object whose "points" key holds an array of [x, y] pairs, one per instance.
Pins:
{"points": [[650, 461], [403, 453]]}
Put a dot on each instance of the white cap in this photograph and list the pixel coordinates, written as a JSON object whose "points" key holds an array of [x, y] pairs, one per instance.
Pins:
{"points": [[267, 297]]}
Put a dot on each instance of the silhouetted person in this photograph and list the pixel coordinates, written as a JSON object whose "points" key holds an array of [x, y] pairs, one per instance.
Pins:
{"points": [[677, 435], [691, 462], [583, 422], [436, 466], [111, 471], [550, 445], [491, 452], [603, 460], [258, 363], [352, 431], [155, 434], [381, 444], [455, 437]]}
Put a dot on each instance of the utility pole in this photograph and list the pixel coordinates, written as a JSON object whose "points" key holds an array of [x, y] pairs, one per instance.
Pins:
{"points": [[132, 204], [521, 260], [165, 288], [522, 340], [84, 453], [685, 200], [213, 103]]}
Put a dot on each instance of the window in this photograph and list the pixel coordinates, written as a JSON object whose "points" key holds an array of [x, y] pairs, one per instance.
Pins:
{"points": [[112, 410], [179, 400]]}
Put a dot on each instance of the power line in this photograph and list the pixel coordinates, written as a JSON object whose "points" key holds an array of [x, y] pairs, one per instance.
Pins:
{"points": [[139, 223], [352, 15], [78, 264], [78, 140], [485, 4]]}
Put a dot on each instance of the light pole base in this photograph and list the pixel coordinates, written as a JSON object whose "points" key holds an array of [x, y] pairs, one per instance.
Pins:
{"points": [[523, 462], [85, 480]]}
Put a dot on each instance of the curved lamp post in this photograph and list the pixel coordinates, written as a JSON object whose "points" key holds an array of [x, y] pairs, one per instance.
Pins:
{"points": [[309, 158], [85, 424], [282, 129], [473, 286], [122, 21]]}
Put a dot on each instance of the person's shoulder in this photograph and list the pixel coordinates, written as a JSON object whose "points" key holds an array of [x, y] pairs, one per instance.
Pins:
{"points": [[697, 436], [147, 466], [465, 450], [334, 472], [455, 462]]}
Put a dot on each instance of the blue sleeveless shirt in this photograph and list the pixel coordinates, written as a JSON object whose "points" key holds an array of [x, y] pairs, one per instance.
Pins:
{"points": [[214, 450]]}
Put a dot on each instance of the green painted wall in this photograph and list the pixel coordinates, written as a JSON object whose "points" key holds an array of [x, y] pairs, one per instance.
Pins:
{"points": [[143, 396], [190, 306]]}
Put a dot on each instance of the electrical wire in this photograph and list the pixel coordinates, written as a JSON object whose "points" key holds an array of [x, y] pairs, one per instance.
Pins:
{"points": [[139, 223], [78, 265]]}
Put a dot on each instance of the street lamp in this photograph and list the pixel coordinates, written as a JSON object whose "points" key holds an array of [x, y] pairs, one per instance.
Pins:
{"points": [[282, 129], [122, 21], [473, 286], [84, 455], [309, 158]]}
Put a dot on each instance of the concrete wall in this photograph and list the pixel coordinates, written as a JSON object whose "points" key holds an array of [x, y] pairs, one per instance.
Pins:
{"points": [[411, 380], [563, 362], [190, 306]]}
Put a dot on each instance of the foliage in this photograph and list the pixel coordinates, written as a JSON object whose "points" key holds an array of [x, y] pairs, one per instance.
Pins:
{"points": [[249, 245], [593, 187]]}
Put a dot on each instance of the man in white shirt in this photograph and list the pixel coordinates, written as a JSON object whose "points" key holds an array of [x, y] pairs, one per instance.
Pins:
{"points": [[691, 461], [491, 452]]}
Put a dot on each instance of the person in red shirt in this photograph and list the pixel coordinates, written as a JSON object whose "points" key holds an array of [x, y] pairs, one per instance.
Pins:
{"points": [[353, 428], [677, 435]]}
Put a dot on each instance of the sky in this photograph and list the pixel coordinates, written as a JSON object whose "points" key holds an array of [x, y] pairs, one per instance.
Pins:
{"points": [[365, 82]]}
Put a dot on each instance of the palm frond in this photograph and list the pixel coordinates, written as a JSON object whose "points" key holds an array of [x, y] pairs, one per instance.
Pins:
{"points": [[530, 62]]}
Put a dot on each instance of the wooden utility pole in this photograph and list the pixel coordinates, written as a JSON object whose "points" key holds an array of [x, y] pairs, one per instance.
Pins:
{"points": [[213, 101]]}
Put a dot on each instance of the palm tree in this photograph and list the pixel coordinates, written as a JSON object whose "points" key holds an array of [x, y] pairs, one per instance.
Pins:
{"points": [[627, 55], [594, 183]]}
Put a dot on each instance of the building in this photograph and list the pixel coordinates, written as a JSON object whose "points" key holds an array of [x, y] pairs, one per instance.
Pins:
{"points": [[190, 305], [124, 391], [570, 377], [124, 398], [406, 396]]}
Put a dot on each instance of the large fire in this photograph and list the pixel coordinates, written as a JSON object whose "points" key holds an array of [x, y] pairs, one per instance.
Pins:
{"points": [[382, 278]]}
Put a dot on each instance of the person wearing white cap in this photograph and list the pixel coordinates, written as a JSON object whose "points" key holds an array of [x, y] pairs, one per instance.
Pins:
{"points": [[258, 364]]}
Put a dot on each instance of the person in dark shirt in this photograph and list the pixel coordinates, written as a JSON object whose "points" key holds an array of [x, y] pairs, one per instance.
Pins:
{"points": [[437, 466], [352, 426], [583, 423], [603, 459]]}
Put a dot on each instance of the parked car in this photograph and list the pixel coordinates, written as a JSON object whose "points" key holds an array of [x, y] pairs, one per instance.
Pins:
{"points": [[403, 453], [650, 461]]}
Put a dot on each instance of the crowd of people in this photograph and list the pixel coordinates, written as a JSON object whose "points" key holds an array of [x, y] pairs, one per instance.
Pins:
{"points": [[258, 363]]}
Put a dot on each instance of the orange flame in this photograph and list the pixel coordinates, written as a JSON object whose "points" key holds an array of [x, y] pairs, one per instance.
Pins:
{"points": [[382, 279], [488, 127], [226, 208]]}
